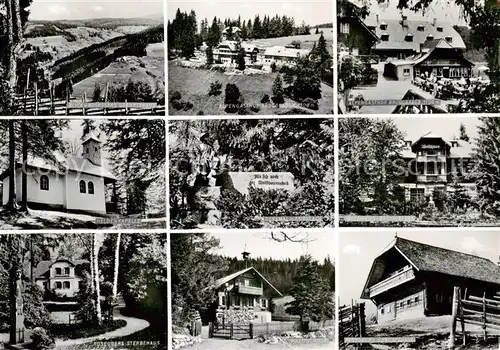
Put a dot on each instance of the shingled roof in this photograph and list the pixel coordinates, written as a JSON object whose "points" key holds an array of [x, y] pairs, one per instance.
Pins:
{"points": [[397, 33], [461, 149], [43, 266], [428, 258], [221, 281]]}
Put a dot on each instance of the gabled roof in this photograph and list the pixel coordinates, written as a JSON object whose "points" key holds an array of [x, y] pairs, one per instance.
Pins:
{"points": [[462, 149], [283, 51], [43, 266], [89, 137], [221, 281], [397, 33], [428, 258], [235, 30]]}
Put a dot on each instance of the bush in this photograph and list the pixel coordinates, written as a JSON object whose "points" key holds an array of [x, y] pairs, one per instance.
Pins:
{"points": [[200, 113], [265, 99], [215, 88], [86, 313], [273, 66], [254, 108], [41, 340], [175, 96], [310, 103], [188, 106]]}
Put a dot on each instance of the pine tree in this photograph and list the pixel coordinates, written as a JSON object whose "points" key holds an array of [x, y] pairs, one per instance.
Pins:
{"points": [[463, 133], [210, 55], [278, 91], [240, 59], [257, 28], [214, 34]]}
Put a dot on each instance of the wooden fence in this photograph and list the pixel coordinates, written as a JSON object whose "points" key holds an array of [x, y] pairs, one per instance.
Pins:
{"points": [[351, 323], [32, 103], [474, 310]]}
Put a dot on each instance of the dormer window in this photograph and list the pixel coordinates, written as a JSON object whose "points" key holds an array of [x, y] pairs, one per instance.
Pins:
{"points": [[372, 28], [420, 27], [449, 39], [409, 37], [383, 26], [430, 37], [384, 37], [439, 29]]}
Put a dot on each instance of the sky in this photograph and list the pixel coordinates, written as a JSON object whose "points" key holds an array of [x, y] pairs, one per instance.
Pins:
{"points": [[312, 12], [357, 250], [87, 9], [442, 10], [320, 245], [447, 127]]}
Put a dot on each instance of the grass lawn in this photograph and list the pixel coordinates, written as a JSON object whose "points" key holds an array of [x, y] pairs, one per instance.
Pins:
{"points": [[76, 331], [193, 84]]}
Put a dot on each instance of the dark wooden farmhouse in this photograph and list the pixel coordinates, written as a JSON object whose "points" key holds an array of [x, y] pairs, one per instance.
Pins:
{"points": [[411, 279]]}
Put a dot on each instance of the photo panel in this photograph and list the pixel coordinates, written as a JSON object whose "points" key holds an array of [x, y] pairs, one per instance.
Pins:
{"points": [[416, 57], [421, 289], [418, 171], [250, 58], [251, 173], [85, 57], [254, 290], [83, 290], [61, 174]]}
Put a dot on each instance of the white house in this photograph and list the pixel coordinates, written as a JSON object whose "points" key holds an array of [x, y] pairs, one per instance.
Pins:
{"points": [[62, 276], [282, 55], [227, 52], [77, 183]]}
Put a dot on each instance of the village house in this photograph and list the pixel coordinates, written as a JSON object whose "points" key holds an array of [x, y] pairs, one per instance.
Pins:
{"points": [[62, 276], [353, 34], [75, 183], [402, 38], [227, 52], [413, 280], [283, 55], [434, 163], [437, 57], [246, 291]]}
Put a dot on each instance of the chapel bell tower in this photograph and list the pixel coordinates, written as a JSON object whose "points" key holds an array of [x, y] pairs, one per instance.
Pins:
{"points": [[92, 149]]}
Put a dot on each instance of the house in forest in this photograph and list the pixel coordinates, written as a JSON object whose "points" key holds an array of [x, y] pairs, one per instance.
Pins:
{"points": [[411, 279], [242, 297], [436, 164], [227, 52], [75, 183], [62, 276], [283, 55], [353, 34]]}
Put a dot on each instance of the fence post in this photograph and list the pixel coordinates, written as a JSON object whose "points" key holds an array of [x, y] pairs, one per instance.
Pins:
{"points": [[267, 328], [362, 320], [67, 100], [231, 332], [52, 92], [250, 329], [84, 98], [454, 313], [36, 98], [24, 101], [210, 330], [484, 315], [462, 319]]}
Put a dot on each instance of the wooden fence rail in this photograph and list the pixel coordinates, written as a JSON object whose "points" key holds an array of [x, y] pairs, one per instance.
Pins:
{"points": [[352, 323], [474, 310]]}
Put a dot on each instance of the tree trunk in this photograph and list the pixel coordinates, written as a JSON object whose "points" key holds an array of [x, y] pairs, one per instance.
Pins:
{"points": [[117, 261], [10, 64], [12, 167], [96, 278], [24, 200], [15, 283]]}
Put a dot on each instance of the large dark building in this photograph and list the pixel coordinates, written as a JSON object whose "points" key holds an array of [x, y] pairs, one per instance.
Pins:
{"points": [[411, 280], [352, 33]]}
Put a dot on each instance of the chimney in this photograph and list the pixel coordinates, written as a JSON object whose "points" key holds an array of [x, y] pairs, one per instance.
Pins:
{"points": [[404, 21], [454, 143], [408, 143], [434, 21]]}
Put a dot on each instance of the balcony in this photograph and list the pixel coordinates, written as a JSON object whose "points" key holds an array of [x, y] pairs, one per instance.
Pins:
{"points": [[399, 277], [431, 158], [431, 178], [250, 290]]}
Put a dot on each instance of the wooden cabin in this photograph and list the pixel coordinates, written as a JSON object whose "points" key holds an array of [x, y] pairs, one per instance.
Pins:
{"points": [[412, 280]]}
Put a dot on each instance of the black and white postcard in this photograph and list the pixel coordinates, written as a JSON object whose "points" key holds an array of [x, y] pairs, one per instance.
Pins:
{"points": [[77, 174], [269, 290], [250, 57]]}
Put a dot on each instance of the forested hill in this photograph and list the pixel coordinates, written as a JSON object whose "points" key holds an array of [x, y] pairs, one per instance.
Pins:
{"points": [[279, 273]]}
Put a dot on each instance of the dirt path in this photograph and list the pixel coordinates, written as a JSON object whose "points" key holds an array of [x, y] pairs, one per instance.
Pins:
{"points": [[133, 325], [217, 344]]}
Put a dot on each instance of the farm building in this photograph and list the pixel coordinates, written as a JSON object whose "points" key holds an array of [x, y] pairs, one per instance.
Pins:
{"points": [[353, 33], [402, 38], [412, 280], [227, 52], [283, 55], [437, 164], [437, 57], [243, 294], [62, 276], [77, 183]]}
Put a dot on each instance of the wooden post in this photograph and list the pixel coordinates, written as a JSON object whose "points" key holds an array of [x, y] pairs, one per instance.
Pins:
{"points": [[126, 112], [454, 313], [67, 100], [52, 92], [267, 328], [36, 98], [362, 320], [461, 313], [231, 332], [250, 329], [210, 330], [484, 315], [24, 101], [28, 79]]}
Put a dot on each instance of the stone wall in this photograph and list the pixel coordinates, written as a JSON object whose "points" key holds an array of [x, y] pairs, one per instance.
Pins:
{"points": [[236, 316]]}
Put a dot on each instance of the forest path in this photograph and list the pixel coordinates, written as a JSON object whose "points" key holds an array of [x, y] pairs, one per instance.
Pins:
{"points": [[133, 325]]}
